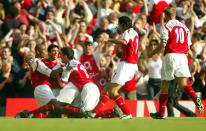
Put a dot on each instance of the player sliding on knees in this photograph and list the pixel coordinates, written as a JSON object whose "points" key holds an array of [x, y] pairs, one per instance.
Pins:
{"points": [[42, 71], [89, 93]]}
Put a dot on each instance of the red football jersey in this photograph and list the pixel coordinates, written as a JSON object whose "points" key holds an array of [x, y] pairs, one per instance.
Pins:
{"points": [[39, 73], [78, 76], [51, 65], [157, 10], [89, 63], [130, 50], [101, 80], [176, 36]]}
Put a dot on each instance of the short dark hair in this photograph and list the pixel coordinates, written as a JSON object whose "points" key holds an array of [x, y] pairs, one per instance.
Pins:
{"points": [[68, 51], [14, 12], [51, 47], [125, 22]]}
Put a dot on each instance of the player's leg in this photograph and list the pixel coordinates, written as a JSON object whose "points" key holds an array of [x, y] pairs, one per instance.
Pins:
{"points": [[163, 98], [108, 113], [183, 109], [67, 95], [169, 105], [182, 72], [90, 97], [43, 95], [103, 100], [189, 90], [132, 95], [184, 84], [124, 72], [70, 95], [113, 89]]}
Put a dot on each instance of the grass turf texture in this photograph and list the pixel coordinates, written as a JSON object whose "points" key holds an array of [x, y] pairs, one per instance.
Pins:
{"points": [[115, 124]]}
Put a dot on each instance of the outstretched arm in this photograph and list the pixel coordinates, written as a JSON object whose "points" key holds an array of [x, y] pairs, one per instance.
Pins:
{"points": [[117, 41], [159, 48]]}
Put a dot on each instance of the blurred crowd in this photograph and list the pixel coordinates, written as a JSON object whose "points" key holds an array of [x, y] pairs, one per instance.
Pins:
{"points": [[84, 24]]}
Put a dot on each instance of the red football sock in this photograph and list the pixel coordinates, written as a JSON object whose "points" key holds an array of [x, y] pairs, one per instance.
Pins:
{"points": [[103, 101], [105, 113], [41, 115], [189, 90], [121, 103], [43, 109], [108, 116], [163, 98], [71, 110]]}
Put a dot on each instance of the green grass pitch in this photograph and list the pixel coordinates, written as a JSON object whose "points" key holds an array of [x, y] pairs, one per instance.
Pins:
{"points": [[115, 124]]}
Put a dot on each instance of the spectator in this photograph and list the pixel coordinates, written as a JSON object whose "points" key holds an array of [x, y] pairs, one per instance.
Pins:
{"points": [[11, 23], [83, 28], [113, 21], [23, 15], [154, 69], [142, 80], [103, 28], [7, 88], [129, 11], [156, 9], [103, 10], [90, 59]]}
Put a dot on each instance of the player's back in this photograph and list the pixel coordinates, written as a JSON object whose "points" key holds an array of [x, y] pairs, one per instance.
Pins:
{"points": [[179, 37], [130, 51], [79, 76]]}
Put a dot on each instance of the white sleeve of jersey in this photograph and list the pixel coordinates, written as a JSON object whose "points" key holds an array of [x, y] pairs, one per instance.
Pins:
{"points": [[164, 34], [73, 63], [126, 36], [65, 76], [40, 67]]}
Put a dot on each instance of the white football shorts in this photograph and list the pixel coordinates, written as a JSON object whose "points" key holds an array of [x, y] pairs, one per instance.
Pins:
{"points": [[175, 65], [68, 93], [125, 71], [90, 96], [43, 94]]}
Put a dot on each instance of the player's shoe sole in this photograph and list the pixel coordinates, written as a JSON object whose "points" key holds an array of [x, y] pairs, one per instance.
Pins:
{"points": [[126, 116], [199, 105]]}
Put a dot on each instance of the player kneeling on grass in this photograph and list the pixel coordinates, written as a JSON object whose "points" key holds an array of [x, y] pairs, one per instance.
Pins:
{"points": [[89, 92]]}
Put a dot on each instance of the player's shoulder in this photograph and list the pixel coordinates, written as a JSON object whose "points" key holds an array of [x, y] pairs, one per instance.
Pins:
{"points": [[131, 32], [74, 63], [45, 60], [37, 60], [173, 23]]}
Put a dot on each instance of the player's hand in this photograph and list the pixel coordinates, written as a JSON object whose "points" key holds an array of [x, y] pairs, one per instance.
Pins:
{"points": [[69, 68]]}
